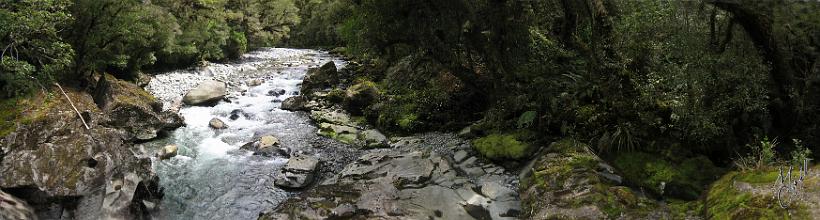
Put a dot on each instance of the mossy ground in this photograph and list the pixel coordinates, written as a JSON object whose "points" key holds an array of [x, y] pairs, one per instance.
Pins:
{"points": [[725, 201], [24, 110]]}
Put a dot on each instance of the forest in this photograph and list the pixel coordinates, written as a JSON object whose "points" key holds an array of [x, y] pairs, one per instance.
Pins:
{"points": [[682, 98]]}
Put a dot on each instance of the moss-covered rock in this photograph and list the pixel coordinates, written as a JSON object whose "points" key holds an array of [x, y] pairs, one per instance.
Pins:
{"points": [[130, 108], [501, 146], [360, 96], [564, 183], [750, 195], [686, 180]]}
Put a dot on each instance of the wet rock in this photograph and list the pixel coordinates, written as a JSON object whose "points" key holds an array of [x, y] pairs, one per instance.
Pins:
{"points": [[206, 93], [119, 194], [296, 103], [12, 208], [318, 79], [372, 139], [460, 156], [215, 123], [267, 142], [344, 211], [267, 145], [236, 113], [276, 92], [167, 152], [495, 191], [345, 134], [333, 117], [384, 184], [254, 82], [299, 172]]}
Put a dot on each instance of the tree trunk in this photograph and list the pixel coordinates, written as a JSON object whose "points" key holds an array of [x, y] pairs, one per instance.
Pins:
{"points": [[757, 22]]}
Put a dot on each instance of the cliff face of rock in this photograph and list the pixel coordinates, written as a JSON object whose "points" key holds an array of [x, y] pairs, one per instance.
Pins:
{"points": [[52, 161]]}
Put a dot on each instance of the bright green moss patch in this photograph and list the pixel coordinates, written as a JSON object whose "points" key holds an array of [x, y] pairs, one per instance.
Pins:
{"points": [[501, 146]]}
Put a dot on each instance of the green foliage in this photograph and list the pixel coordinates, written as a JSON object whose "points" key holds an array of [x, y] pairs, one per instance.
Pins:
{"points": [[800, 153], [32, 50], [760, 155], [501, 146], [660, 176], [527, 119], [118, 36]]}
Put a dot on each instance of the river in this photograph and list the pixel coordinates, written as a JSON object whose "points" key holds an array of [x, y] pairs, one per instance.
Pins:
{"points": [[212, 178]]}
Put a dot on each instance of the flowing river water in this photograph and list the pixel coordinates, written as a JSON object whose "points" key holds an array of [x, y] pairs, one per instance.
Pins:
{"points": [[212, 178]]}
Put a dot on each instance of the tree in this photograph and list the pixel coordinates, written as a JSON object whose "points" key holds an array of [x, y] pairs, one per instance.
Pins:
{"points": [[32, 50], [119, 37]]}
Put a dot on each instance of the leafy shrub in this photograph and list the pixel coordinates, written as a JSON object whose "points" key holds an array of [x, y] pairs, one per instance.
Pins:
{"points": [[501, 146]]}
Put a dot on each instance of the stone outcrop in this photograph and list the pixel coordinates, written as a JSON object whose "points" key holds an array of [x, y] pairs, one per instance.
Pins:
{"points": [[131, 109], [296, 103], [61, 168], [569, 182], [385, 184], [299, 172], [206, 93]]}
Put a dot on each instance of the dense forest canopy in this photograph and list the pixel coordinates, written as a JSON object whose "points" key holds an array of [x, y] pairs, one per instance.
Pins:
{"points": [[708, 76]]}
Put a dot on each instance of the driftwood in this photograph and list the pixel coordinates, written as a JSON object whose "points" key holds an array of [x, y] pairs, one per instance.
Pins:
{"points": [[72, 106]]}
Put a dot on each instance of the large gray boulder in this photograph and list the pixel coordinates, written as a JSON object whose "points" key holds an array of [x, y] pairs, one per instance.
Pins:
{"points": [[299, 172], [206, 93], [318, 79], [296, 103], [54, 163], [131, 109]]}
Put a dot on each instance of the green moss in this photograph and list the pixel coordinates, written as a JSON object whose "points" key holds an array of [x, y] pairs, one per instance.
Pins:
{"points": [[501, 146], [725, 202], [23, 110], [765, 176]]}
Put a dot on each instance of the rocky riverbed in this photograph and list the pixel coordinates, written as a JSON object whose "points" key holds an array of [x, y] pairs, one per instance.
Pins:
{"points": [[260, 158]]}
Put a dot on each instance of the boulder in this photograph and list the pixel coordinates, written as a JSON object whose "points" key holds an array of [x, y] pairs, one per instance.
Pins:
{"points": [[267, 142], [254, 82], [295, 103], [345, 134], [298, 173], [318, 79], [267, 146], [13, 208], [564, 183], [128, 107], [54, 163], [358, 97], [215, 123], [206, 93], [372, 139], [167, 152]]}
